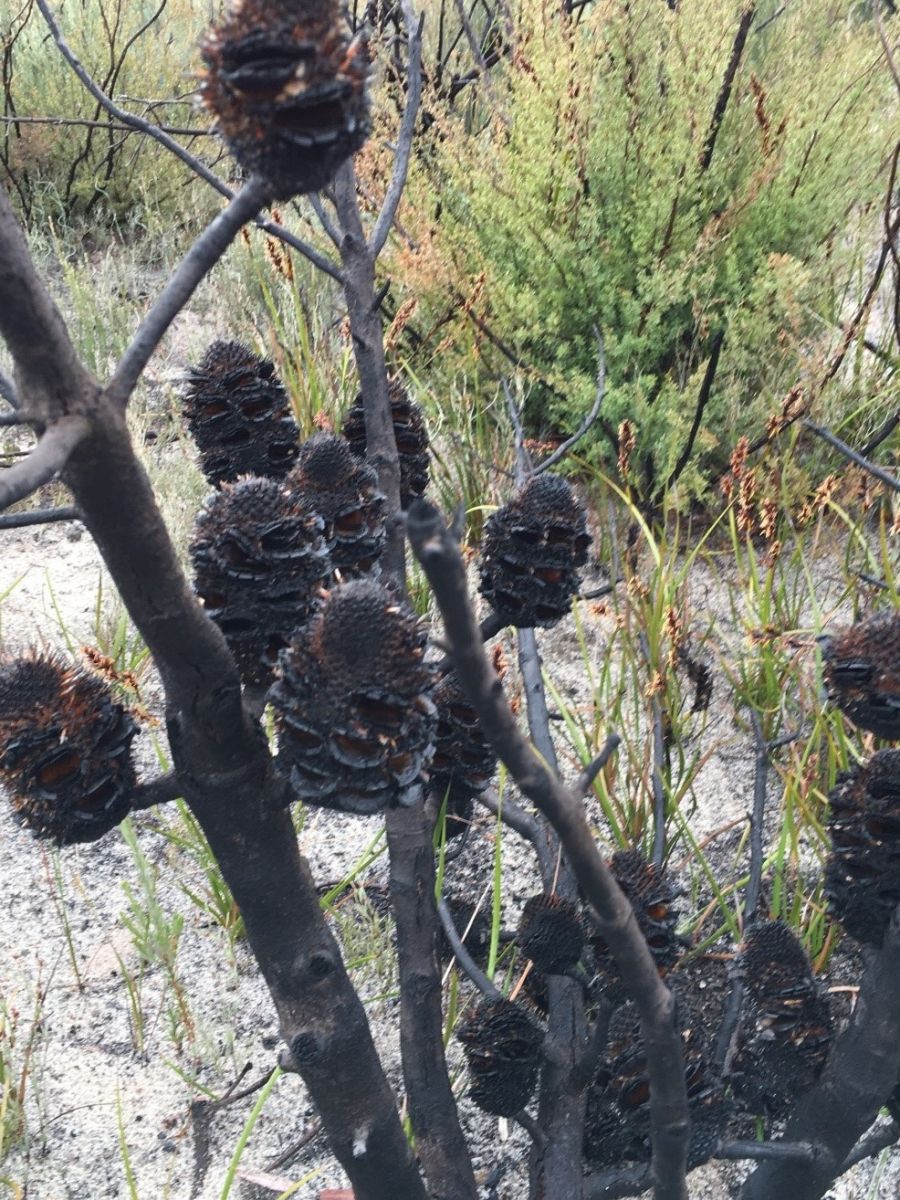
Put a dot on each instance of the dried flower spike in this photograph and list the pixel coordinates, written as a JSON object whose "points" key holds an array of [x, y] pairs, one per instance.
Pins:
{"points": [[353, 705], [862, 875], [786, 1032], [551, 933], [345, 493], [862, 674], [259, 559], [239, 416], [463, 762], [287, 87], [65, 749], [410, 433], [533, 549], [502, 1045]]}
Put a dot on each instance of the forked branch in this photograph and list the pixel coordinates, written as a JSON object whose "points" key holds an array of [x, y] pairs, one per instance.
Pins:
{"points": [[441, 560], [44, 462]]}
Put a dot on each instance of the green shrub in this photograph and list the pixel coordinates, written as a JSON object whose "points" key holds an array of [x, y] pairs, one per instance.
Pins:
{"points": [[580, 188]]}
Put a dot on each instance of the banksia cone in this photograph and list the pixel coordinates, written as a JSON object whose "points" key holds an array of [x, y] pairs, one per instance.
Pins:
{"points": [[617, 1124], [862, 674], [345, 493], [551, 933], [239, 416], [411, 436], [353, 705], [652, 899], [65, 749], [502, 1045], [260, 559], [862, 876], [463, 762], [787, 1029], [287, 87], [533, 549]]}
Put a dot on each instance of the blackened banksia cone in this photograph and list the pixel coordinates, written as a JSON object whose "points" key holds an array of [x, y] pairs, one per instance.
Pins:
{"points": [[344, 491], [617, 1122], [353, 705], [463, 762], [862, 876], [551, 933], [652, 898], [410, 433], [65, 749], [259, 559], [533, 549], [287, 86], [786, 1031], [502, 1045], [239, 416], [862, 674]]}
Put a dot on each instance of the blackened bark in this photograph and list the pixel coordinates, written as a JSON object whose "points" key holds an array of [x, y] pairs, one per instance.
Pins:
{"points": [[861, 1074]]}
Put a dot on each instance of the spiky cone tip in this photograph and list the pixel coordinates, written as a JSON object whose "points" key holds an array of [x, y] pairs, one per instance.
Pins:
{"points": [[287, 85]]}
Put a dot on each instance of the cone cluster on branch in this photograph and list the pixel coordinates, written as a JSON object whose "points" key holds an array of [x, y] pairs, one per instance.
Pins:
{"points": [[411, 436], [65, 749], [652, 898], [862, 674], [862, 875], [344, 491], [617, 1124], [463, 763], [286, 84], [787, 1028], [353, 706], [239, 415], [502, 1045], [533, 550]]}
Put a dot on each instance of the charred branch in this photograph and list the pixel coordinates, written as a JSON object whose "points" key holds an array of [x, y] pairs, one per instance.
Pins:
{"points": [[615, 919]]}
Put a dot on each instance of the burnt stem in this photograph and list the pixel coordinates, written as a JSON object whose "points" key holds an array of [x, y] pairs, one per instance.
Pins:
{"points": [[38, 516], [44, 462], [613, 915], [860, 1075], [463, 957], [439, 1138]]}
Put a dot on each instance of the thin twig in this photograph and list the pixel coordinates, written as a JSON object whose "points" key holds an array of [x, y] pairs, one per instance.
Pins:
{"points": [[706, 386], [888, 52], [325, 221], [463, 957], [84, 122], [738, 1151], [531, 1127], [17, 418], [205, 252], [563, 449], [881, 434], [737, 51], [827, 436], [873, 1143], [38, 516], [407, 129], [585, 780], [45, 461], [161, 790], [199, 168], [288, 1155]]}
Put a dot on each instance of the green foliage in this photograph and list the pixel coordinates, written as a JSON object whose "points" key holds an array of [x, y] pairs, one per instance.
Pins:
{"points": [[141, 53], [582, 188]]}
